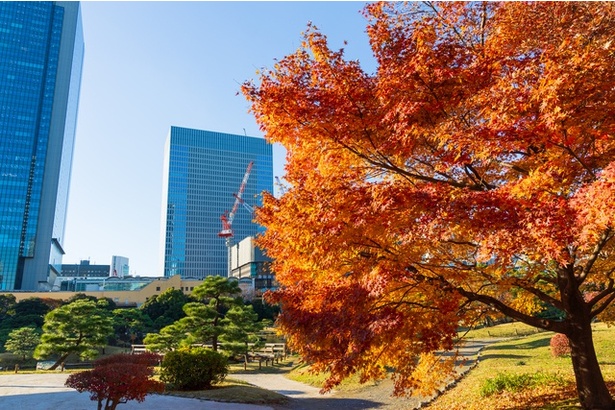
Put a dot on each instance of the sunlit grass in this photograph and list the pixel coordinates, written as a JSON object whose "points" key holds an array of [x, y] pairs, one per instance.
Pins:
{"points": [[513, 329], [529, 355]]}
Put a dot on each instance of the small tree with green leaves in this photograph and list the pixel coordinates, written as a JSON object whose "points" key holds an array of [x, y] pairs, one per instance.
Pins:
{"points": [[216, 296], [130, 324], [241, 329], [80, 327], [219, 315], [7, 305], [165, 308], [23, 341], [169, 338]]}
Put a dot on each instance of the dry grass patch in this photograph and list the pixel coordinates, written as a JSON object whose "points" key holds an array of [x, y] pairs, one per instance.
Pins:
{"points": [[234, 391]]}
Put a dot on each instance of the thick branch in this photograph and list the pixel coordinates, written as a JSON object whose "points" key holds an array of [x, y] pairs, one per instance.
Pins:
{"points": [[604, 305], [541, 295], [509, 311], [604, 239]]}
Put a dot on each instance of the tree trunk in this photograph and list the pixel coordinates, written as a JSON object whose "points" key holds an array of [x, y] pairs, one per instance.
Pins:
{"points": [[60, 361], [592, 391]]}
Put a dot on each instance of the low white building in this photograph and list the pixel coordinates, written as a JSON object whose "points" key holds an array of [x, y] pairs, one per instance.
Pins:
{"points": [[252, 268]]}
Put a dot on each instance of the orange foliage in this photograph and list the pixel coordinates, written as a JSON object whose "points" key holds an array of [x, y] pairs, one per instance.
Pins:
{"points": [[475, 166]]}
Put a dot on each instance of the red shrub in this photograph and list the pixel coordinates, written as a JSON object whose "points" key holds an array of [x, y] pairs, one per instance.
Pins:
{"points": [[560, 346], [117, 379]]}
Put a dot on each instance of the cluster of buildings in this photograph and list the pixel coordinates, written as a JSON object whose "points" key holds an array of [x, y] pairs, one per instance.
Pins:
{"points": [[41, 57]]}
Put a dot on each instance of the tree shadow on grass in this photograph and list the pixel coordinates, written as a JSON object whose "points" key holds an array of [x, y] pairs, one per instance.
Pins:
{"points": [[504, 356], [540, 342]]}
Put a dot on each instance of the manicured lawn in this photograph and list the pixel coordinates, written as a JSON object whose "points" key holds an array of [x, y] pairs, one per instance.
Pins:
{"points": [[529, 356], [513, 329]]}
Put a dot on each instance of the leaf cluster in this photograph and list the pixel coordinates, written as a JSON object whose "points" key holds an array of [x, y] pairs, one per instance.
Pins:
{"points": [[473, 173], [118, 379]]}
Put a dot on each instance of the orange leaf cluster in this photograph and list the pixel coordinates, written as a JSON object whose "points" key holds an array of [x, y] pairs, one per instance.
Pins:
{"points": [[475, 166]]}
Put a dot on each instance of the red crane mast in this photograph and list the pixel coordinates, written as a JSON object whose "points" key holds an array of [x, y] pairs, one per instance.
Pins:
{"points": [[227, 220]]}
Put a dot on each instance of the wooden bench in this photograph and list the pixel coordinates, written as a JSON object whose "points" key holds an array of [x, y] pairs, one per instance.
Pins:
{"points": [[137, 349], [270, 352]]}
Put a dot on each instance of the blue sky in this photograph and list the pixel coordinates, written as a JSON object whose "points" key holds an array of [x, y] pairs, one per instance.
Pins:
{"points": [[150, 65]]}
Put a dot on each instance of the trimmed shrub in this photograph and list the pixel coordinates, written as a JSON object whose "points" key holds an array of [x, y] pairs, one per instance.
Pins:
{"points": [[517, 382], [193, 368], [505, 382], [560, 345]]}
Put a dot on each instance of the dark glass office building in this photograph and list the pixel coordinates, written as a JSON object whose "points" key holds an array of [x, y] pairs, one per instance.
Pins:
{"points": [[41, 55], [203, 169]]}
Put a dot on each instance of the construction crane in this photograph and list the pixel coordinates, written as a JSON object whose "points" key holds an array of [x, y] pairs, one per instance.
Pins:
{"points": [[227, 220], [281, 187]]}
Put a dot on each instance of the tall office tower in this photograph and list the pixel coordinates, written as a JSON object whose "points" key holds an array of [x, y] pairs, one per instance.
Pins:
{"points": [[41, 56], [203, 169]]}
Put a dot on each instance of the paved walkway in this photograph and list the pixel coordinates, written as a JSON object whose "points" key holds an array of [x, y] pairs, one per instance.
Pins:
{"points": [[304, 397], [47, 391]]}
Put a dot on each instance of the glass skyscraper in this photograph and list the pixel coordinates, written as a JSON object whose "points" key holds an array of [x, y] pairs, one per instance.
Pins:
{"points": [[41, 56], [203, 169]]}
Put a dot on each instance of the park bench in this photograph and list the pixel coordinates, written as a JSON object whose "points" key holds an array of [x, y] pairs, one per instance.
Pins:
{"points": [[269, 353], [137, 349]]}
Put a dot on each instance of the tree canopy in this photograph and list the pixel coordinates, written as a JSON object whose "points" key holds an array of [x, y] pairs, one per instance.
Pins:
{"points": [[80, 327], [472, 173], [23, 341], [166, 307], [219, 315]]}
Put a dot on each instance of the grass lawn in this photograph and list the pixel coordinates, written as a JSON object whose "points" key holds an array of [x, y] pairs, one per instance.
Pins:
{"points": [[234, 391], [513, 329], [526, 357], [238, 391]]}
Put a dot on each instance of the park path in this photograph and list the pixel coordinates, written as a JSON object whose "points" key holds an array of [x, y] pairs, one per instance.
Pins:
{"points": [[304, 397], [42, 391], [46, 391]]}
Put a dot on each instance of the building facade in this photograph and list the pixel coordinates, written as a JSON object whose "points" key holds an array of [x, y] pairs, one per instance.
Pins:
{"points": [[41, 56], [119, 266], [252, 268], [84, 269], [203, 170], [132, 295]]}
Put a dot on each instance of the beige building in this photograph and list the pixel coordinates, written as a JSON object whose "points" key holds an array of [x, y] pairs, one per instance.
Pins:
{"points": [[122, 298]]}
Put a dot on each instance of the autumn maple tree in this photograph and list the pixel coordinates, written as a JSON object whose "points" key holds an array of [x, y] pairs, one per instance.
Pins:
{"points": [[117, 379], [472, 173]]}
